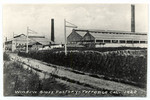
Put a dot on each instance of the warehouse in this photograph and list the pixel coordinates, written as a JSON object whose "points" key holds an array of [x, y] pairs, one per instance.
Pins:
{"points": [[109, 38], [18, 42]]}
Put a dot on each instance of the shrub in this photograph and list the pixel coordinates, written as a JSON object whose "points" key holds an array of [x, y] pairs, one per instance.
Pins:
{"points": [[16, 78], [6, 56], [127, 65]]}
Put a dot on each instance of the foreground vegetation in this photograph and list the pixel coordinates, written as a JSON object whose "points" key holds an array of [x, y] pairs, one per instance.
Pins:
{"points": [[6, 57], [103, 49], [18, 81], [130, 65]]}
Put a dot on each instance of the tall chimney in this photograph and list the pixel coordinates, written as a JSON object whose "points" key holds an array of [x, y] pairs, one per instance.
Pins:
{"points": [[52, 30], [6, 39], [132, 18]]}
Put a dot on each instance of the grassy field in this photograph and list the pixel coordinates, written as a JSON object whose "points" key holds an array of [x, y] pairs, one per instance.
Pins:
{"points": [[129, 64]]}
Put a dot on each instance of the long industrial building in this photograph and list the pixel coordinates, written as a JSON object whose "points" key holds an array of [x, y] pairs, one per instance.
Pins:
{"points": [[107, 38]]}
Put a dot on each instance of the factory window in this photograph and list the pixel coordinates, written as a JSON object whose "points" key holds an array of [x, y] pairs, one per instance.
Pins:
{"points": [[107, 41], [89, 40], [135, 41], [114, 41], [129, 41], [142, 41], [99, 40], [122, 41]]}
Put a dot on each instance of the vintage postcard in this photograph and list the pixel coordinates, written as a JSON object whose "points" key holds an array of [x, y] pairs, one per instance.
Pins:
{"points": [[75, 50]]}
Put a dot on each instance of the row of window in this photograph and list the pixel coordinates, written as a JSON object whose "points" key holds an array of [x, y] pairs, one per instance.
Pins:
{"points": [[120, 41], [112, 41]]}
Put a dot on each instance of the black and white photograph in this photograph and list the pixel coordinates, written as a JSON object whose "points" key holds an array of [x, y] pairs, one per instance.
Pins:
{"points": [[75, 50]]}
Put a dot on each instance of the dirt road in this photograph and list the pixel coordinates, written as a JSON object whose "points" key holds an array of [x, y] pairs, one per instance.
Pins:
{"points": [[65, 76]]}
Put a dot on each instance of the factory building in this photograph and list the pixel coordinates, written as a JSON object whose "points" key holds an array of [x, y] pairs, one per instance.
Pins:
{"points": [[35, 42], [19, 42], [107, 38]]}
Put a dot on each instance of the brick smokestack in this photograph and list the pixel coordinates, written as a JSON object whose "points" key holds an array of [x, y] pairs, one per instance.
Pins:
{"points": [[132, 18], [6, 39], [52, 30]]}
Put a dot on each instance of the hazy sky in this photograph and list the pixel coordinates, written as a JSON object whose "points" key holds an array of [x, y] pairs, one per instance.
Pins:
{"points": [[16, 18]]}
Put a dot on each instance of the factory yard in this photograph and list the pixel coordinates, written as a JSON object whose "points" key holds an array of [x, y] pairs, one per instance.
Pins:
{"points": [[84, 82]]}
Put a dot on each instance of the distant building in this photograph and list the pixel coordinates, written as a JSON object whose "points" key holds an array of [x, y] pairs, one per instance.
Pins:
{"points": [[108, 38], [76, 36], [19, 42]]}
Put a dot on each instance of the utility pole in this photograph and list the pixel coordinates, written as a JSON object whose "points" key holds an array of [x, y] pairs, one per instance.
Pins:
{"points": [[13, 34], [65, 36], [70, 26], [13, 43], [29, 31], [132, 18], [27, 41]]}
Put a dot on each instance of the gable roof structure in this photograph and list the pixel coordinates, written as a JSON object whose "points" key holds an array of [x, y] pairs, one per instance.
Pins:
{"points": [[74, 36]]}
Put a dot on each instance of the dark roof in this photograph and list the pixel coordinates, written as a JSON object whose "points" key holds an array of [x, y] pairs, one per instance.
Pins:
{"points": [[19, 35], [36, 36], [7, 42]]}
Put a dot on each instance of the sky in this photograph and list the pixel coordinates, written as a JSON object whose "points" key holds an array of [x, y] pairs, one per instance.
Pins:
{"points": [[17, 17]]}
